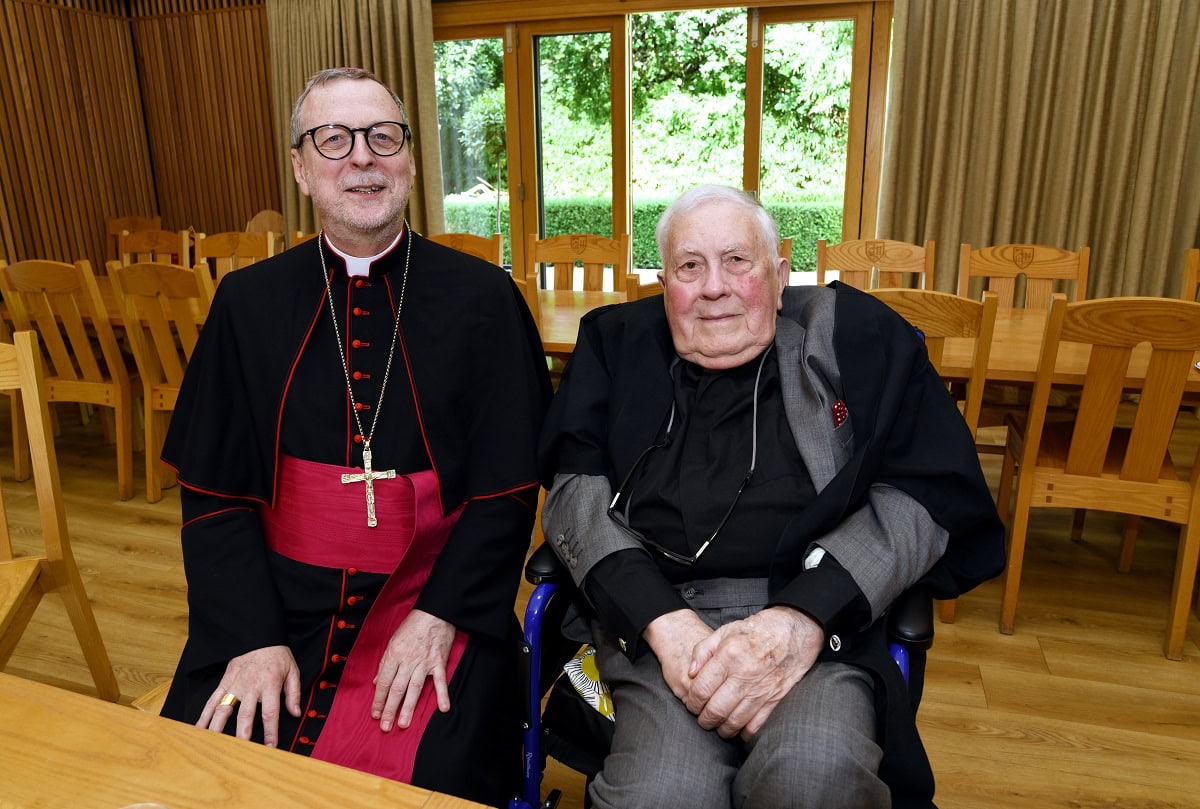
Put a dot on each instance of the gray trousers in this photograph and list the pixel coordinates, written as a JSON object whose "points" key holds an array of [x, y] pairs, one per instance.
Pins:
{"points": [[817, 749]]}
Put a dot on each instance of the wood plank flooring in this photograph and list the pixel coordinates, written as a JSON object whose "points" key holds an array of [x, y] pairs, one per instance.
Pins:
{"points": [[1077, 709]]}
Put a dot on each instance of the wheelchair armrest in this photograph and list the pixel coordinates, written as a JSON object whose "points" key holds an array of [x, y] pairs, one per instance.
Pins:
{"points": [[910, 620], [543, 567]]}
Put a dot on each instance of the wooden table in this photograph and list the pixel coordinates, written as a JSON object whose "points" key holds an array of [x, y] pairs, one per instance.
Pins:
{"points": [[562, 309], [59, 748], [1016, 344]]}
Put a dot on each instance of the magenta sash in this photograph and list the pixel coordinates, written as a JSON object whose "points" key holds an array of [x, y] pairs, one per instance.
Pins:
{"points": [[321, 521]]}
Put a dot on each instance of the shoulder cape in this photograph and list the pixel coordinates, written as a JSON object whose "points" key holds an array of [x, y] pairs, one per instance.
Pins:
{"points": [[472, 350]]}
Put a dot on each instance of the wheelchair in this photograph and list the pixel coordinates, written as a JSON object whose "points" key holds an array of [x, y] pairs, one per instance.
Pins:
{"points": [[544, 651]]}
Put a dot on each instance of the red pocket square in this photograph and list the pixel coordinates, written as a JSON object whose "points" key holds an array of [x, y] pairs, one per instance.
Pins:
{"points": [[840, 413]]}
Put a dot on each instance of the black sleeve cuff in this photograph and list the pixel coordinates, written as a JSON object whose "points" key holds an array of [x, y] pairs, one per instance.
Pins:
{"points": [[628, 591], [828, 595]]}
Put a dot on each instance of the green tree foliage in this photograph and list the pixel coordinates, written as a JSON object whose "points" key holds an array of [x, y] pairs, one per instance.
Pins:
{"points": [[468, 72], [688, 72]]}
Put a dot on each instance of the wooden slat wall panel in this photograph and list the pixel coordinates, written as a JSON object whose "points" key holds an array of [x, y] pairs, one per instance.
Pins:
{"points": [[112, 108], [204, 68], [75, 149]]}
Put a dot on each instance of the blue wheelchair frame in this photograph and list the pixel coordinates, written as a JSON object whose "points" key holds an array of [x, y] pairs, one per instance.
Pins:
{"points": [[910, 627]]}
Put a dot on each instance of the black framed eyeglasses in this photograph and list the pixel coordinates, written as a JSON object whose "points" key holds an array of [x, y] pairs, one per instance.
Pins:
{"points": [[621, 516], [335, 141]]}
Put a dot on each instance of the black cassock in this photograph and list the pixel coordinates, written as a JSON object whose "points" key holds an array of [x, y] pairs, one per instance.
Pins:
{"points": [[465, 396]]}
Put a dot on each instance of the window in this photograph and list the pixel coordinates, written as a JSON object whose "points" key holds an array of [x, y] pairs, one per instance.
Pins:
{"points": [[608, 118]]}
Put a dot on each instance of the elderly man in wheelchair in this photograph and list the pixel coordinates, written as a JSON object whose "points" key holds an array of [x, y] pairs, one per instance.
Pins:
{"points": [[744, 477]]}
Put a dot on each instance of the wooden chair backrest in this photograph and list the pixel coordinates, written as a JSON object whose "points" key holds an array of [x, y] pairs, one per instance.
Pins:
{"points": [[163, 307], [267, 221], [941, 316], [115, 226], [1041, 267], [488, 248], [877, 263], [225, 252], [25, 579], [1191, 274], [565, 251], [162, 246], [1113, 328], [62, 302]]}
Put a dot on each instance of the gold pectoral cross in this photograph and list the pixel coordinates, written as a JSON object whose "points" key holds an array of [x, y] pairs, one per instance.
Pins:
{"points": [[369, 477]]}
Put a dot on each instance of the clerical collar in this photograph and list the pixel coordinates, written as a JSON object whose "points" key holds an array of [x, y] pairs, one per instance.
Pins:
{"points": [[356, 265]]}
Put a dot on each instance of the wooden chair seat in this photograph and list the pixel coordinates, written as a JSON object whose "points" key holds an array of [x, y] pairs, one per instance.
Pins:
{"points": [[24, 580]]}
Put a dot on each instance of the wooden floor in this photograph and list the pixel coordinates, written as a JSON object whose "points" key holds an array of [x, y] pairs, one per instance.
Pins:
{"points": [[1077, 709]]}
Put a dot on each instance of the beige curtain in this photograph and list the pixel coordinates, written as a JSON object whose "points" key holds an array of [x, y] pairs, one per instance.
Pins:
{"points": [[391, 38], [1050, 122]]}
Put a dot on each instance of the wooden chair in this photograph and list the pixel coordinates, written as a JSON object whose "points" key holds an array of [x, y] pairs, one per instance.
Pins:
{"points": [[939, 316], [1096, 463], [63, 303], [635, 289], [163, 307], [1191, 275], [223, 253], [25, 579], [20, 440], [876, 263], [152, 701], [785, 249], [300, 237], [115, 226], [162, 246], [268, 221], [488, 248], [1040, 266], [569, 249]]}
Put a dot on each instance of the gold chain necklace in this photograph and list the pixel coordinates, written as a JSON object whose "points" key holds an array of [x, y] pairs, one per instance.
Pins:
{"points": [[368, 475]]}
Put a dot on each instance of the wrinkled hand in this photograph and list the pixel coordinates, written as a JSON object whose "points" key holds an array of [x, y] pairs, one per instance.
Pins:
{"points": [[743, 671], [419, 649], [674, 637], [257, 676]]}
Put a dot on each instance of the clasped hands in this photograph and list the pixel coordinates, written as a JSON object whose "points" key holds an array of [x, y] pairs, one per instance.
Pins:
{"points": [[732, 678], [418, 650]]}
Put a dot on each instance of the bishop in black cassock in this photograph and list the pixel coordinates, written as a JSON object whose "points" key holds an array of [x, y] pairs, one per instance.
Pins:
{"points": [[264, 411]]}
